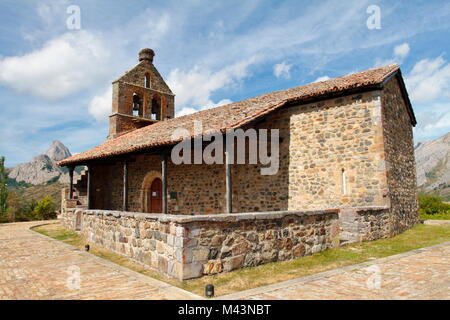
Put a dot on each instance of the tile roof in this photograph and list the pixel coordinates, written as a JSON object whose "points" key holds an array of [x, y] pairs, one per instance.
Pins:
{"points": [[230, 116]]}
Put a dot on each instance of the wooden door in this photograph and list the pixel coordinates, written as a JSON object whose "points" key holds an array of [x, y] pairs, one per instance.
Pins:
{"points": [[155, 196]]}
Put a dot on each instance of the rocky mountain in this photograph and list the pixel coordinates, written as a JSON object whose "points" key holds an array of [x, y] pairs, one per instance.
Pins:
{"points": [[42, 169], [433, 164], [58, 151]]}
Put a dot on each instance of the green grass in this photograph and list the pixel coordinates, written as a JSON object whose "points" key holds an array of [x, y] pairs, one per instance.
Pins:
{"points": [[57, 232], [418, 237]]}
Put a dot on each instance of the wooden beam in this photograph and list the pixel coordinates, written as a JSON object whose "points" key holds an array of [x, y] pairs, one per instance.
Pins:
{"points": [[89, 187], [229, 186], [164, 182], [71, 182], [125, 186]]}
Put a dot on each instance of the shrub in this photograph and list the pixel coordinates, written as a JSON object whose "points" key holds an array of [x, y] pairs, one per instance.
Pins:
{"points": [[430, 204], [45, 209]]}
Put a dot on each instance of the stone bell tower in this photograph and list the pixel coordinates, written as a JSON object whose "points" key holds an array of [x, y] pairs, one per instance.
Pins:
{"points": [[140, 97]]}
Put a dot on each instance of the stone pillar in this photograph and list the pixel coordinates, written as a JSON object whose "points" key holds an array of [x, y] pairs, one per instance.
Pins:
{"points": [[125, 186], [164, 182], [89, 187], [229, 186], [71, 182]]}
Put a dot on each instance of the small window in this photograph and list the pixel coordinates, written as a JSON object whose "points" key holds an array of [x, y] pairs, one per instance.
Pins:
{"points": [[147, 80], [344, 182]]}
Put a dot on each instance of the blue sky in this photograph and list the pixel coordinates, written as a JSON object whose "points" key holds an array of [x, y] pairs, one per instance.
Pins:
{"points": [[55, 82]]}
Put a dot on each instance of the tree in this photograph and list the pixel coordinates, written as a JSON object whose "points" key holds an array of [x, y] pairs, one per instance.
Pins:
{"points": [[15, 205], [45, 209], [3, 187]]}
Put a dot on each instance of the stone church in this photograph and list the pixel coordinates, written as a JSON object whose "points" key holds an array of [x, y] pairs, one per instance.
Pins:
{"points": [[346, 174]]}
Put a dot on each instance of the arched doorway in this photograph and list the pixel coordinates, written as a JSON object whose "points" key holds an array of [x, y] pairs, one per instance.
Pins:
{"points": [[146, 191], [155, 196]]}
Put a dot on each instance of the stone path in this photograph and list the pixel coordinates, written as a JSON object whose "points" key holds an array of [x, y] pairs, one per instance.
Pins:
{"points": [[33, 266], [418, 274], [436, 222]]}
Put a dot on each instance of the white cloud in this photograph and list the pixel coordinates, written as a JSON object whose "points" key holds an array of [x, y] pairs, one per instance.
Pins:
{"points": [[400, 53], [402, 50], [429, 79], [323, 78], [187, 110], [50, 11], [218, 104], [100, 105], [194, 88], [184, 111], [64, 65], [433, 121], [282, 69]]}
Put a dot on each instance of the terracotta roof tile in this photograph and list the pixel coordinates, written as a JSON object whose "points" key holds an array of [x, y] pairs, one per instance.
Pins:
{"points": [[230, 116]]}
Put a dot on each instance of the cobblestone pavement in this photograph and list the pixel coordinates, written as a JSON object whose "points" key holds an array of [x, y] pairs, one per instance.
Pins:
{"points": [[35, 267], [418, 274], [436, 222]]}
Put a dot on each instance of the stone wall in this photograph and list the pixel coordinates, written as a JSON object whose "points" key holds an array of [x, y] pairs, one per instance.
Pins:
{"points": [[400, 161], [187, 247], [142, 237], [364, 224], [68, 218], [322, 144], [196, 189], [191, 188], [248, 240]]}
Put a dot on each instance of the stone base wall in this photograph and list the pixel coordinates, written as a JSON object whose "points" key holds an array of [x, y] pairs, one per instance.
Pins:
{"points": [[186, 247], [364, 224], [66, 218], [254, 239], [143, 237]]}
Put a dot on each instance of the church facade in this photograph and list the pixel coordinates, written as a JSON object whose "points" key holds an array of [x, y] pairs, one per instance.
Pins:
{"points": [[345, 172]]}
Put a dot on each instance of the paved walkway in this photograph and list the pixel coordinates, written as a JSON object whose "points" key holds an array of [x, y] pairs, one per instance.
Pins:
{"points": [[436, 222], [35, 267], [418, 274]]}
